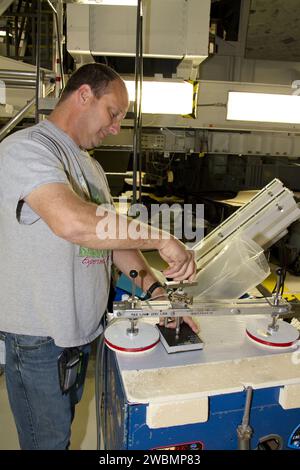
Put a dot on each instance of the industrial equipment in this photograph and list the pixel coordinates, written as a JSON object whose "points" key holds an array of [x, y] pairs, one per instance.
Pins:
{"points": [[196, 399], [264, 219], [141, 337]]}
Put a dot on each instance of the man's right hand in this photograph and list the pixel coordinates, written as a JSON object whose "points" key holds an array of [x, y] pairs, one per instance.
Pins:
{"points": [[181, 261]]}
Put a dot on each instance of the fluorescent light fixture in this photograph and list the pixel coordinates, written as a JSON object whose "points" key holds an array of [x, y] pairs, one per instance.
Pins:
{"points": [[164, 97], [4, 34], [130, 3], [263, 107]]}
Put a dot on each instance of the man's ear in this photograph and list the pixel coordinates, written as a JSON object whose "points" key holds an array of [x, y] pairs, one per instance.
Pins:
{"points": [[84, 94]]}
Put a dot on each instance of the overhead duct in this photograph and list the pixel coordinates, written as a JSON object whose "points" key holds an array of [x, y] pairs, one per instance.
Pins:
{"points": [[173, 29]]}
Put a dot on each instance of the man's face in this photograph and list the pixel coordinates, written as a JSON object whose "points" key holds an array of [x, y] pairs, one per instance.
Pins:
{"points": [[104, 115]]}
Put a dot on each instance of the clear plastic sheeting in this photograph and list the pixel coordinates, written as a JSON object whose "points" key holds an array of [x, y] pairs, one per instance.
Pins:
{"points": [[239, 267]]}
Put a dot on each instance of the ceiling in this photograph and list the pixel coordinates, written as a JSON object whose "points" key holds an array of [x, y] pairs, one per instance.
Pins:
{"points": [[274, 30], [272, 26]]}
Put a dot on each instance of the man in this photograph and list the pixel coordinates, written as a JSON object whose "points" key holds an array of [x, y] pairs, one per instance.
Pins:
{"points": [[55, 267]]}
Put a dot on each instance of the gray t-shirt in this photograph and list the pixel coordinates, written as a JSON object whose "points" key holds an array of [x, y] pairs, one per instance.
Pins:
{"points": [[48, 286]]}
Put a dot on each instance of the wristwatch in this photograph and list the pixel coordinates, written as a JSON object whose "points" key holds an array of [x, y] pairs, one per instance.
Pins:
{"points": [[152, 288]]}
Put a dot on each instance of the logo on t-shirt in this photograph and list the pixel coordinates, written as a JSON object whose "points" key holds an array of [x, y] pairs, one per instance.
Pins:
{"points": [[92, 256]]}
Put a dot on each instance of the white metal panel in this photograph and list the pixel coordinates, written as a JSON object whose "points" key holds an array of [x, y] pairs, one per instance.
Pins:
{"points": [[172, 28], [197, 28], [165, 28], [254, 143], [282, 145], [78, 24], [295, 146], [112, 30], [219, 142], [252, 146], [236, 142], [228, 67]]}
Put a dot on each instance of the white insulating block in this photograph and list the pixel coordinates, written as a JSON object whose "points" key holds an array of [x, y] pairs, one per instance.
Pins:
{"points": [[176, 413], [289, 396]]}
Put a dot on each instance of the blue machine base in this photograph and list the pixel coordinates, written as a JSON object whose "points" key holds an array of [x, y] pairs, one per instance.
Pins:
{"points": [[126, 427]]}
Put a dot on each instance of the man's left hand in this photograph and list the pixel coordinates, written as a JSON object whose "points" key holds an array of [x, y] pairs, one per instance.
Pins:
{"points": [[160, 294], [188, 320]]}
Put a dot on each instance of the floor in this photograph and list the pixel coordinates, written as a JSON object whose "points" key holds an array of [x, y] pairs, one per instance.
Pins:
{"points": [[84, 434]]}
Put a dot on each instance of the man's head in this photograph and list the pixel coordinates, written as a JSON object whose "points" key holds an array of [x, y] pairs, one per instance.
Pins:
{"points": [[92, 105], [97, 76]]}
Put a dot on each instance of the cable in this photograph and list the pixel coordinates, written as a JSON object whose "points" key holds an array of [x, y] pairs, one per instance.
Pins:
{"points": [[38, 62], [60, 54], [140, 115], [100, 389], [282, 271], [98, 392], [218, 105], [138, 102], [279, 286]]}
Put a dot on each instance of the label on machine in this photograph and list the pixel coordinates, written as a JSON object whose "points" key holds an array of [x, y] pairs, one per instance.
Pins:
{"points": [[197, 445], [294, 440]]}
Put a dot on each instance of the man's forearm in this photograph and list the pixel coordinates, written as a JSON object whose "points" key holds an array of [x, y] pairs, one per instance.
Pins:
{"points": [[84, 223], [92, 226], [97, 227]]}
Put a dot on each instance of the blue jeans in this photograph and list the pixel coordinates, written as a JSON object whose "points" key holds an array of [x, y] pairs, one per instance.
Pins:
{"points": [[43, 415]]}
